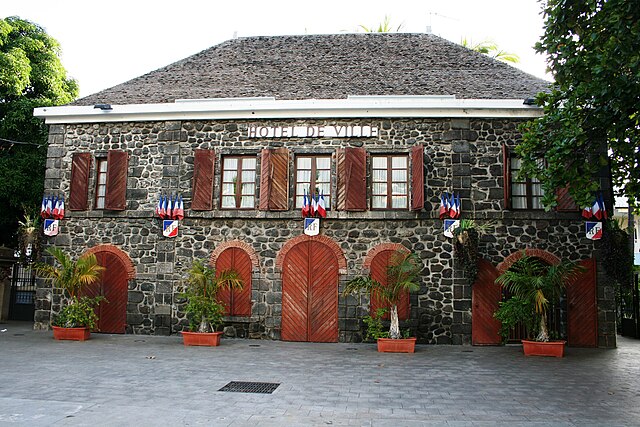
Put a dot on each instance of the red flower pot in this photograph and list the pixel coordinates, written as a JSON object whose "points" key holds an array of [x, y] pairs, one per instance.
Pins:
{"points": [[401, 345], [539, 348], [211, 339], [72, 334]]}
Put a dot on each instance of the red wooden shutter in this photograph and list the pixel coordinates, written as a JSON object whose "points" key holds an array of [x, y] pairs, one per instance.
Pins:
{"points": [[506, 173], [80, 166], [203, 167], [265, 179], [417, 178], [274, 180], [352, 179], [116, 197], [565, 201]]}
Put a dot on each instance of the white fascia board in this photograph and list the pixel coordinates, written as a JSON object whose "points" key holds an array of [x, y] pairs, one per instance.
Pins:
{"points": [[269, 108]]}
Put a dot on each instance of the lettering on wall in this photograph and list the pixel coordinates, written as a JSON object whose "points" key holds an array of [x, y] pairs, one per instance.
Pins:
{"points": [[331, 131]]}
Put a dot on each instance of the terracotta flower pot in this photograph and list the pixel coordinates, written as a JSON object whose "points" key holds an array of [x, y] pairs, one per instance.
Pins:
{"points": [[538, 348], [72, 334], [211, 339], [402, 345]]}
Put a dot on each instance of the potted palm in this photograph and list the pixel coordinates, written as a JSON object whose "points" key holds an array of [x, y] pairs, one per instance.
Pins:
{"points": [[203, 309], [535, 286], [402, 276], [77, 317]]}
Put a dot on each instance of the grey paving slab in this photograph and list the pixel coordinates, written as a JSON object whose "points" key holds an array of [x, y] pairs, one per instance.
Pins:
{"points": [[144, 380]]}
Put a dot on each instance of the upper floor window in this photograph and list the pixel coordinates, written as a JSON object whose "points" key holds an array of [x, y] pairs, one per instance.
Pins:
{"points": [[313, 176], [101, 182], [239, 182], [525, 193], [389, 179]]}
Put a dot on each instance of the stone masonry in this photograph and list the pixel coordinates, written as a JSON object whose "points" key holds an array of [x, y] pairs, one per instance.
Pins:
{"points": [[461, 155]]}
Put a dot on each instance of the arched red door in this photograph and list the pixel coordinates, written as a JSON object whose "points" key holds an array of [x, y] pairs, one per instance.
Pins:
{"points": [[485, 297], [582, 307], [310, 293], [112, 313], [237, 302], [379, 272]]}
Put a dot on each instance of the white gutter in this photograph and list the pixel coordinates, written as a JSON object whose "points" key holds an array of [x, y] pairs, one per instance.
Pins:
{"points": [[270, 108]]}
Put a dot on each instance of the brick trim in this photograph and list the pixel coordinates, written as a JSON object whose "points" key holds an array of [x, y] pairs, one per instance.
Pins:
{"points": [[290, 244], [248, 249], [546, 256], [120, 254], [366, 265]]}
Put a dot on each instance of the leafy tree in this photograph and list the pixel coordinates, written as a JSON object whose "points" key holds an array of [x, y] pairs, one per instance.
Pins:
{"points": [[592, 113], [491, 49], [383, 27], [31, 75]]}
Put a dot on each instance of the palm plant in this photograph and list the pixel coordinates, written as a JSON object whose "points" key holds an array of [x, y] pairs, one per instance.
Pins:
{"points": [[402, 275], [73, 276], [383, 27], [491, 49], [204, 311], [539, 285]]}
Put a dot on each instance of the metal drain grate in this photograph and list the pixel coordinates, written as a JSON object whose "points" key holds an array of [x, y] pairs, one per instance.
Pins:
{"points": [[249, 387]]}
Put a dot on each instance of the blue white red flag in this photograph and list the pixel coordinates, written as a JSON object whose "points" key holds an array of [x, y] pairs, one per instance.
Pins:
{"points": [[56, 207], [595, 209], [443, 206], [586, 212], [313, 207], [179, 209], [170, 208], [593, 230], [49, 206], [322, 210], [458, 210], [61, 208], [43, 207], [169, 228], [305, 206], [603, 208], [452, 206]]}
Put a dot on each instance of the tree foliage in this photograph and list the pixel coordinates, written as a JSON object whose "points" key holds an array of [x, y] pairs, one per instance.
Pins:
{"points": [[592, 113], [31, 75], [491, 49]]}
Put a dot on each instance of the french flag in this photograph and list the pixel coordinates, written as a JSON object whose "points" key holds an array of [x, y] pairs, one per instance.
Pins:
{"points": [[313, 205], [163, 207], [56, 205], [595, 209], [49, 206], [322, 210], [43, 207], [452, 206], [178, 210], [586, 212], [305, 206], [458, 210], [443, 206], [603, 208], [159, 207], [61, 208]]}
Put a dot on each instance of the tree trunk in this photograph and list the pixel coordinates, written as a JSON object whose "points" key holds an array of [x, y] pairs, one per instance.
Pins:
{"points": [[204, 325], [544, 333], [394, 330]]}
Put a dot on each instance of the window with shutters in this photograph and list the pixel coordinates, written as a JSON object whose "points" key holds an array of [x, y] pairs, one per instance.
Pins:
{"points": [[101, 182], [313, 176], [389, 182], [526, 193], [238, 182]]}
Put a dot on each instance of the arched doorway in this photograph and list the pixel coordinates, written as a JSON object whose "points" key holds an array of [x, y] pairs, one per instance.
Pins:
{"points": [[113, 285], [237, 302], [379, 268], [485, 298], [310, 292]]}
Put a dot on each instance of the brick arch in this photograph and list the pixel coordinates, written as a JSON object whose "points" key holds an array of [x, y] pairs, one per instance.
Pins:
{"points": [[342, 261], [247, 248], [366, 265], [546, 256], [120, 254]]}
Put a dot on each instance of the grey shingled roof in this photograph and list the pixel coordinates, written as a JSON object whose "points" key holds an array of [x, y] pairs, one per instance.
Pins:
{"points": [[326, 67]]}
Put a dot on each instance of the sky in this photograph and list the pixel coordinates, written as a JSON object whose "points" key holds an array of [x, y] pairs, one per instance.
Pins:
{"points": [[107, 43]]}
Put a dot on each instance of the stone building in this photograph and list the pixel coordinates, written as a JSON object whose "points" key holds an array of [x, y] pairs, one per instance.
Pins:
{"points": [[382, 125]]}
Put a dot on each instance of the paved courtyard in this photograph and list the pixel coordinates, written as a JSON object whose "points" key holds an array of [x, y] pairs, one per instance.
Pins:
{"points": [[151, 381]]}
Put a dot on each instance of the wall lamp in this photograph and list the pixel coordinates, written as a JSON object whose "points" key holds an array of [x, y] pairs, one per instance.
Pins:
{"points": [[103, 107], [529, 101]]}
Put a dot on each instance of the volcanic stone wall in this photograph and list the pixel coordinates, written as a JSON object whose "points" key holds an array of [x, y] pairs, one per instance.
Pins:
{"points": [[461, 155]]}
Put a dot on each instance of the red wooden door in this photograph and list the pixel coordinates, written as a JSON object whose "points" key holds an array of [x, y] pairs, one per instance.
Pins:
{"points": [[485, 296], [237, 302], [310, 294], [582, 309], [379, 273], [112, 313]]}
